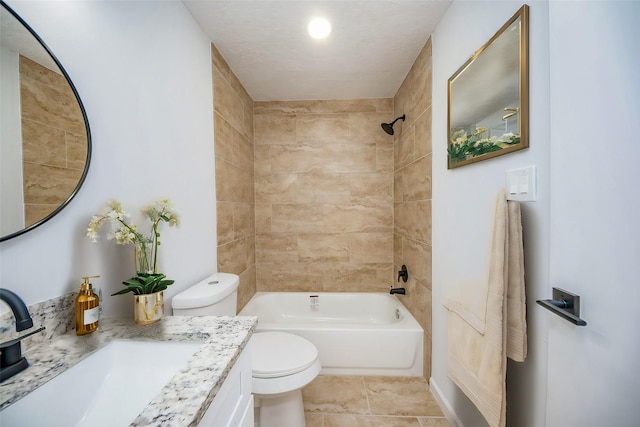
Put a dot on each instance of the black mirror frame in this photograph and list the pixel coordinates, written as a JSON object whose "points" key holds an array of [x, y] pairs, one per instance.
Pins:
{"points": [[86, 123]]}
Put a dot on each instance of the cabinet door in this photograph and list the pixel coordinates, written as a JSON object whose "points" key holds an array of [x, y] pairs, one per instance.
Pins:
{"points": [[233, 404], [247, 417]]}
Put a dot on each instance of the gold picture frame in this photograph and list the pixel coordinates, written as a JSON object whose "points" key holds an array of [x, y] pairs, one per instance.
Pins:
{"points": [[488, 97]]}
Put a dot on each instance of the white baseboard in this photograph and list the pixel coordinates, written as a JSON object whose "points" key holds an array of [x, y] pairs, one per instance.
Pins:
{"points": [[444, 404]]}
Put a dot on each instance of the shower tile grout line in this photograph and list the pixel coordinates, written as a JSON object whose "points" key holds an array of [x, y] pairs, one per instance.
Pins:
{"points": [[366, 394]]}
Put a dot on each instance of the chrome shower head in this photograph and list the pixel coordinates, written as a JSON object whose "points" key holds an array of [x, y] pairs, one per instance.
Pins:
{"points": [[388, 127]]}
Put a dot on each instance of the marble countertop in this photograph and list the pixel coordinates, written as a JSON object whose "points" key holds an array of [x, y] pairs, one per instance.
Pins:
{"points": [[184, 399]]}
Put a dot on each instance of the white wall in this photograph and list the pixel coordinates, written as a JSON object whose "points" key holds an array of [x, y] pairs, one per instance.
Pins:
{"points": [[461, 246], [143, 71]]}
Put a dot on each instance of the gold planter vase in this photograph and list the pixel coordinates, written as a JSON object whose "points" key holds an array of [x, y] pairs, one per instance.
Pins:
{"points": [[148, 308]]}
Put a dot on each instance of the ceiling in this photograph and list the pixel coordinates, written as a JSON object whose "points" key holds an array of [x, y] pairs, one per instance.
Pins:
{"points": [[371, 48]]}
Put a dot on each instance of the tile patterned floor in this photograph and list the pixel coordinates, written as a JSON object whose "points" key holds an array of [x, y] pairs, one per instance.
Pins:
{"points": [[356, 401]]}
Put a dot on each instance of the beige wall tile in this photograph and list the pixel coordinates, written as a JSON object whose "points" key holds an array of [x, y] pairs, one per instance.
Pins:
{"points": [[224, 214], [297, 159], [243, 152], [223, 138], [54, 140], [401, 219], [371, 187], [235, 183], [324, 106], [289, 277], [52, 106], [324, 188], [371, 247], [77, 148], [43, 145], [421, 229], [423, 144], [398, 255], [323, 247], [343, 168], [232, 257], [384, 157], [297, 218], [404, 152], [415, 181], [243, 220], [263, 218], [262, 161], [414, 95], [417, 256], [236, 106], [349, 158], [427, 354], [358, 217], [277, 188], [276, 247], [275, 129], [247, 286], [35, 213], [322, 128], [357, 277], [47, 184], [34, 71], [412, 189], [365, 128], [235, 189]]}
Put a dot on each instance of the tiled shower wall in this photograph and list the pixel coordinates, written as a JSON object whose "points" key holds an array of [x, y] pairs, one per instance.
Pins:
{"points": [[412, 192], [324, 195], [339, 204], [54, 139], [233, 134]]}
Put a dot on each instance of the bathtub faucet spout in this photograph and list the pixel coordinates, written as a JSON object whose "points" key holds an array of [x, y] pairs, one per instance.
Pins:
{"points": [[400, 291]]}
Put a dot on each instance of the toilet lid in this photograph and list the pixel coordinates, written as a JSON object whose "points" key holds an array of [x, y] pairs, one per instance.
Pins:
{"points": [[278, 354]]}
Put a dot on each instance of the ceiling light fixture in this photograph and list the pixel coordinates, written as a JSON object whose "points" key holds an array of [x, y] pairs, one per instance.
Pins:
{"points": [[319, 28]]}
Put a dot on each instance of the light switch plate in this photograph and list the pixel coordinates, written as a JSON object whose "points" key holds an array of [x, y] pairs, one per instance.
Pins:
{"points": [[521, 184]]}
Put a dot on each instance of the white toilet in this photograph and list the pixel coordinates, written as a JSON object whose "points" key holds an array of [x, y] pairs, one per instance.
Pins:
{"points": [[281, 363]]}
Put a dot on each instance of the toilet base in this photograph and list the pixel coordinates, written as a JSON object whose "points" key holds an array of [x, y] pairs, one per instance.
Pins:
{"points": [[282, 410]]}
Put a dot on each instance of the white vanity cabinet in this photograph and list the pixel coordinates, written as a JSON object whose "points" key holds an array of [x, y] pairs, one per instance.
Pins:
{"points": [[233, 404]]}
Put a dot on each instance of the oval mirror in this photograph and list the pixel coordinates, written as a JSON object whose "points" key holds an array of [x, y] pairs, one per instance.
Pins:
{"points": [[45, 143]]}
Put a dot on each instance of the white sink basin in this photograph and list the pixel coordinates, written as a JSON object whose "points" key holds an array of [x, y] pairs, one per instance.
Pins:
{"points": [[109, 388]]}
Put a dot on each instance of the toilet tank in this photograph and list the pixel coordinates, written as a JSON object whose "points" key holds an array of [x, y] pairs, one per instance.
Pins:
{"points": [[216, 295]]}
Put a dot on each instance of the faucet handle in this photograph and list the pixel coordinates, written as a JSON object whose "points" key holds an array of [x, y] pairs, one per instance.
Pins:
{"points": [[403, 274]]}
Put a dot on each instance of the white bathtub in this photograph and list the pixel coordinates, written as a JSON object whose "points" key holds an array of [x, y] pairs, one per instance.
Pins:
{"points": [[355, 333]]}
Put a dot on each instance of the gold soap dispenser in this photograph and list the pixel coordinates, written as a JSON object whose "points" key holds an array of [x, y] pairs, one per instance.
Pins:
{"points": [[87, 308]]}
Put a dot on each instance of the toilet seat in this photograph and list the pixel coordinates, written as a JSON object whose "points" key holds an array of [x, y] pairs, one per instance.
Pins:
{"points": [[281, 363], [278, 354]]}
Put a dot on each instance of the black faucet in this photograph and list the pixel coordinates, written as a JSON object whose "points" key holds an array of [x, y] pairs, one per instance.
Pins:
{"points": [[11, 359], [401, 291]]}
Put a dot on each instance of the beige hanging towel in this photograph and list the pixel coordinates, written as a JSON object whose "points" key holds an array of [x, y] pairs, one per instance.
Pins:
{"points": [[486, 321]]}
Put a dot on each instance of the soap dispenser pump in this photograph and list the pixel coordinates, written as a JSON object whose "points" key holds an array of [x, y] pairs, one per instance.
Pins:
{"points": [[87, 308]]}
